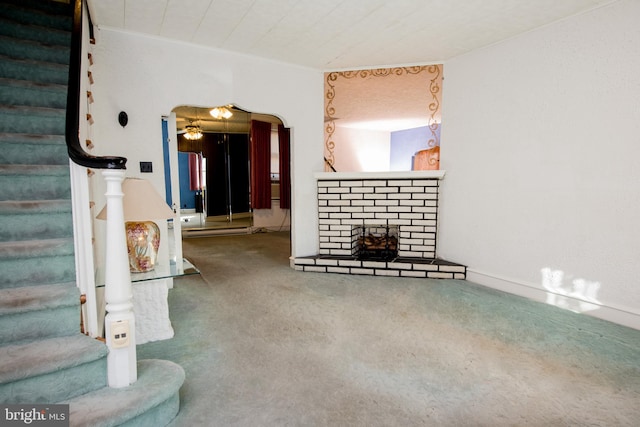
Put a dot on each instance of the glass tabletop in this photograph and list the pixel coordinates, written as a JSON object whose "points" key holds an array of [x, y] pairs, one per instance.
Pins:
{"points": [[161, 271]]}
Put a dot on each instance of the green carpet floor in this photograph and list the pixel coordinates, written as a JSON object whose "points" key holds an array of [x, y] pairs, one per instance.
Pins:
{"points": [[265, 345]]}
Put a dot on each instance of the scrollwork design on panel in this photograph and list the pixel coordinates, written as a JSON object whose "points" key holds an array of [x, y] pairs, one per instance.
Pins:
{"points": [[329, 118], [330, 95], [434, 105]]}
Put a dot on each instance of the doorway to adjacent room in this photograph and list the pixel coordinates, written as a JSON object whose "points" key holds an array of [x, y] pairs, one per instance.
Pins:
{"points": [[221, 175]]}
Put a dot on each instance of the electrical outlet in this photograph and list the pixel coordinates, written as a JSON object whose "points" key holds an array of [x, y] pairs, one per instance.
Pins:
{"points": [[146, 167], [120, 334]]}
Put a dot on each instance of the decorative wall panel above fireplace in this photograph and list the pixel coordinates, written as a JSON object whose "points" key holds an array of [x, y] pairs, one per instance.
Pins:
{"points": [[404, 202]]}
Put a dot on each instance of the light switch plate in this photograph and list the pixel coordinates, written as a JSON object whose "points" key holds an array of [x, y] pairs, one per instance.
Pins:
{"points": [[146, 167]]}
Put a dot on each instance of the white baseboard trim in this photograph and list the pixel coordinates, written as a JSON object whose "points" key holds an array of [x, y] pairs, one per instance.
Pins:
{"points": [[619, 315], [203, 232], [271, 228]]}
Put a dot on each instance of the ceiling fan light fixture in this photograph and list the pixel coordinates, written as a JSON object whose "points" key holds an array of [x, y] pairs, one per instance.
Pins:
{"points": [[221, 113], [192, 132]]}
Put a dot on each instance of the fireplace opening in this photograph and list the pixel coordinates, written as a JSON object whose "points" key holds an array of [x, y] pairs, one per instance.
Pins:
{"points": [[376, 242]]}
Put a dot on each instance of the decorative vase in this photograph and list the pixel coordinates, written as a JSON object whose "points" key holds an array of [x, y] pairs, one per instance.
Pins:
{"points": [[143, 241]]}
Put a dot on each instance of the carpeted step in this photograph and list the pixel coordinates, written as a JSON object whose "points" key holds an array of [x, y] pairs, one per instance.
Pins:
{"points": [[47, 360], [27, 49], [34, 33], [35, 120], [25, 149], [34, 182], [39, 312], [33, 70], [47, 14], [35, 262], [52, 370], [27, 220], [153, 400], [24, 93]]}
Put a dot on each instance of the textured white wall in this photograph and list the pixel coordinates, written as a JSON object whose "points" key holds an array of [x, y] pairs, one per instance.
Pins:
{"points": [[147, 77], [541, 141]]}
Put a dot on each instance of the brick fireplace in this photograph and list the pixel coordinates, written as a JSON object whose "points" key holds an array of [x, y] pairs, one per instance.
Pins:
{"points": [[406, 202]]}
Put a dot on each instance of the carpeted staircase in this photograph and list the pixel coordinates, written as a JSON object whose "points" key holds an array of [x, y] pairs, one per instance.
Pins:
{"points": [[44, 358]]}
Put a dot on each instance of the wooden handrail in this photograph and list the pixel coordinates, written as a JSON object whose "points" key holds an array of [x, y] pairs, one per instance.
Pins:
{"points": [[75, 150]]}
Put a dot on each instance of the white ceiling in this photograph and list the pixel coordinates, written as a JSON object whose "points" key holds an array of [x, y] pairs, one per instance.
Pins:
{"points": [[333, 35], [338, 34]]}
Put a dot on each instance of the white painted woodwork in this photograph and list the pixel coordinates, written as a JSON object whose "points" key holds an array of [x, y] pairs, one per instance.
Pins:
{"points": [[121, 362]]}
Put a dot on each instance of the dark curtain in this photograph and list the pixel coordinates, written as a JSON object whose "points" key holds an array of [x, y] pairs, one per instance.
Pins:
{"points": [[260, 165], [285, 174]]}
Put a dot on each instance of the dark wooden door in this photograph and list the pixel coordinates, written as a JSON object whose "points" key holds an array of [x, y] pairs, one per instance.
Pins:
{"points": [[227, 173]]}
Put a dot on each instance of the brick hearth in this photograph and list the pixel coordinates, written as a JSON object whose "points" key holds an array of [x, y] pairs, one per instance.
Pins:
{"points": [[408, 200]]}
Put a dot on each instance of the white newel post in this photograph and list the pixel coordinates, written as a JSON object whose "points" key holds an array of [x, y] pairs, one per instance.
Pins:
{"points": [[120, 321]]}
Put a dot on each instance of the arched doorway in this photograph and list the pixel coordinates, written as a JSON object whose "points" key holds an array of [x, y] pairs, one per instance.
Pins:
{"points": [[215, 170]]}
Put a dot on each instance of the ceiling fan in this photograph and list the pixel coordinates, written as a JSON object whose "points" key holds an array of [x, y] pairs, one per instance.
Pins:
{"points": [[191, 132]]}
